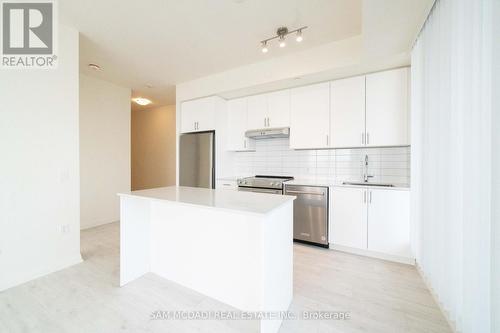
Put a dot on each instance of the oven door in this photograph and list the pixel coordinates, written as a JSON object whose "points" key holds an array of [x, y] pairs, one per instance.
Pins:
{"points": [[259, 190]]}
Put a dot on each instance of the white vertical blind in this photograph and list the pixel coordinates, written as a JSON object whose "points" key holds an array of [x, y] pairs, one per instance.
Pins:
{"points": [[495, 150], [451, 158]]}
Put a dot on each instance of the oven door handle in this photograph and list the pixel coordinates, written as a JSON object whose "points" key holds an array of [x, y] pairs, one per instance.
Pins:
{"points": [[259, 190]]}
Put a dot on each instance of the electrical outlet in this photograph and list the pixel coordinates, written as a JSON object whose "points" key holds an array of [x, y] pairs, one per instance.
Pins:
{"points": [[65, 228]]}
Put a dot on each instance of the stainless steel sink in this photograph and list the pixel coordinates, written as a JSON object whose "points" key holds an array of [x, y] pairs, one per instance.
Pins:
{"points": [[368, 184]]}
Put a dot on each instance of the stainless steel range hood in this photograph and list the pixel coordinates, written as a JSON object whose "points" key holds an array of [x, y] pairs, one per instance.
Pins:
{"points": [[268, 133]]}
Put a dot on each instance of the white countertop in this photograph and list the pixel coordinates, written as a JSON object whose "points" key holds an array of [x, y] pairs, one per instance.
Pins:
{"points": [[246, 202], [317, 182]]}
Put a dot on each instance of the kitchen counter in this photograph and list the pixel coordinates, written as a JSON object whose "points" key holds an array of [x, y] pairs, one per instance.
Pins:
{"points": [[325, 182], [236, 247], [244, 202]]}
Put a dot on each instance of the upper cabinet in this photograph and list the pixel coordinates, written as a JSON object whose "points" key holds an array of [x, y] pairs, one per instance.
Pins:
{"points": [[363, 111], [278, 108], [387, 109], [347, 119], [237, 125], [198, 115], [270, 110], [310, 117], [257, 111]]}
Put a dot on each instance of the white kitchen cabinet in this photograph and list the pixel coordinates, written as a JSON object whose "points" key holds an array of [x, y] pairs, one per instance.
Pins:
{"points": [[237, 126], [198, 115], [310, 117], [347, 118], [389, 222], [269, 110], [376, 220], [387, 108], [257, 111], [226, 185], [349, 218], [278, 108]]}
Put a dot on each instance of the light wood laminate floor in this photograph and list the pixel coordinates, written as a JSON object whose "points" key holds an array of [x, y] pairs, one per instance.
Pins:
{"points": [[380, 296]]}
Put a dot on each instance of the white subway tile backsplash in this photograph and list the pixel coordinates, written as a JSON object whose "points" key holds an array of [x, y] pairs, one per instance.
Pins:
{"points": [[274, 157]]}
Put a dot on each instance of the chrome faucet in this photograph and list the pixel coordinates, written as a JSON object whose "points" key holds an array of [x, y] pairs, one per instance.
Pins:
{"points": [[366, 176]]}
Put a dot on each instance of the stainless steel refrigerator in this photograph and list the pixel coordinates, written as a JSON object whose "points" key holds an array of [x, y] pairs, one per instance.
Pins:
{"points": [[197, 159]]}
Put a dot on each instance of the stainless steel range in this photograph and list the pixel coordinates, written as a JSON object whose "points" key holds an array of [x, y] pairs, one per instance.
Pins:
{"points": [[263, 184]]}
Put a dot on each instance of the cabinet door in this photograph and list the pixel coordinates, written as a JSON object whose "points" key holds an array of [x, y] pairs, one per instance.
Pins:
{"points": [[206, 114], [198, 115], [348, 225], [188, 117], [257, 111], [226, 185], [387, 108], [347, 118], [237, 125], [310, 116], [278, 107], [389, 222]]}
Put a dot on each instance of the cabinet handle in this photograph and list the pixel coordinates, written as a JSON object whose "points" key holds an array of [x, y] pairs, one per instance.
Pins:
{"points": [[367, 138], [268, 122], [370, 196], [305, 192], [364, 196], [264, 122], [327, 140], [363, 138], [244, 143]]}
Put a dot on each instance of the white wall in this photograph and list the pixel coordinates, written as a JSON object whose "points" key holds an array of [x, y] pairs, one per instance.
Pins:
{"points": [[452, 160], [104, 150], [153, 147], [39, 169]]}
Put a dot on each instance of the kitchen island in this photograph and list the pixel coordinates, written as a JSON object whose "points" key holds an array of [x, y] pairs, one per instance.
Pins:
{"points": [[233, 246]]}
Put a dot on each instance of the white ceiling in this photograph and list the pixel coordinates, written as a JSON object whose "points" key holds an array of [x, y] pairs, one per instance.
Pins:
{"points": [[165, 42]]}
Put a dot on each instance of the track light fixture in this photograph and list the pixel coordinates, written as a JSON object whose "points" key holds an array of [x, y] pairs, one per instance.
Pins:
{"points": [[264, 47], [281, 34]]}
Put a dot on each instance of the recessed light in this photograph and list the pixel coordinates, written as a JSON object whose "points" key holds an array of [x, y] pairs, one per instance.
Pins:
{"points": [[142, 101], [95, 67]]}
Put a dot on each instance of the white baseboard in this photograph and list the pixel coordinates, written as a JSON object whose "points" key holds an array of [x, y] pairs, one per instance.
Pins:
{"points": [[445, 313], [65, 264], [373, 254]]}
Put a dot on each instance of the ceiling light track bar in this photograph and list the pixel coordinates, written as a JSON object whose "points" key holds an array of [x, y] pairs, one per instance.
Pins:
{"points": [[282, 32]]}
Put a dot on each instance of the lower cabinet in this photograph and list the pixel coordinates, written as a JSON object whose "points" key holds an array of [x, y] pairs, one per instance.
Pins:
{"points": [[389, 222], [226, 185], [371, 219], [348, 217]]}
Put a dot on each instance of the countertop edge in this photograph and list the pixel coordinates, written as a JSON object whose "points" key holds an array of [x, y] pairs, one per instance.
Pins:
{"points": [[231, 210], [320, 184]]}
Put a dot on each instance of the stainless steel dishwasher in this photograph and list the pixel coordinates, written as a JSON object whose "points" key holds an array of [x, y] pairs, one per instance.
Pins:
{"points": [[310, 214]]}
